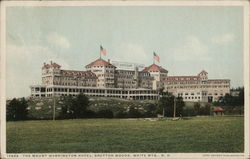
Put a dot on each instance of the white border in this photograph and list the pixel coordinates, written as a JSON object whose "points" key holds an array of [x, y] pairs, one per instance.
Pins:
{"points": [[244, 4], [247, 79], [2, 82], [128, 3]]}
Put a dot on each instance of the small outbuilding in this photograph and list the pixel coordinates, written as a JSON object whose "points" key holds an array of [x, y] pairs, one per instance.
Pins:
{"points": [[218, 111]]}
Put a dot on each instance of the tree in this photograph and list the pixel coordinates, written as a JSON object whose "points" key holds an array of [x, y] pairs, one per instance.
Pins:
{"points": [[80, 105], [75, 107], [162, 106], [207, 109], [17, 110], [67, 105], [166, 103], [241, 96], [133, 112], [161, 91], [150, 110], [11, 109], [179, 106], [120, 114], [105, 113], [197, 108], [232, 100], [22, 110]]}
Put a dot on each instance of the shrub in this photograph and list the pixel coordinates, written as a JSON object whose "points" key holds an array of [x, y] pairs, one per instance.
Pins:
{"points": [[133, 112], [197, 108], [106, 113], [120, 114]]}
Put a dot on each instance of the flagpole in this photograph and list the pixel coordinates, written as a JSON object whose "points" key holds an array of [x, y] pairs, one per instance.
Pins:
{"points": [[153, 59], [100, 52]]}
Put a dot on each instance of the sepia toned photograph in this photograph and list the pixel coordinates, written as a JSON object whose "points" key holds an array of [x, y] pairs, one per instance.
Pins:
{"points": [[124, 79]]}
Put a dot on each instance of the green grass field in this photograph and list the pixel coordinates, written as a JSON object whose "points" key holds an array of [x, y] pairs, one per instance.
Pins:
{"points": [[197, 134]]}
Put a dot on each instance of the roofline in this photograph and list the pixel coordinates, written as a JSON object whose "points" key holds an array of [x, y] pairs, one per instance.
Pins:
{"points": [[218, 79], [99, 65]]}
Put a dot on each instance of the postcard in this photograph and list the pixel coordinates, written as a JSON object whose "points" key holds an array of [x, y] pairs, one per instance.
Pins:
{"points": [[124, 79]]}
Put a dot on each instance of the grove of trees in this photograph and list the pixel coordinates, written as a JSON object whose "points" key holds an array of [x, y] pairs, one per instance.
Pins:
{"points": [[74, 107], [17, 110], [232, 100], [198, 110], [168, 103], [233, 103]]}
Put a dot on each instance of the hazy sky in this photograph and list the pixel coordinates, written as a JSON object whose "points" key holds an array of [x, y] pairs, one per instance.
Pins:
{"points": [[187, 39]]}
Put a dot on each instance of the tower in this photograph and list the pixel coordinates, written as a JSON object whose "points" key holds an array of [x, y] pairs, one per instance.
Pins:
{"points": [[50, 73], [203, 75]]}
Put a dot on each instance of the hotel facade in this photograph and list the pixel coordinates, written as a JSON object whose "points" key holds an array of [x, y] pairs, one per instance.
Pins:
{"points": [[104, 79]]}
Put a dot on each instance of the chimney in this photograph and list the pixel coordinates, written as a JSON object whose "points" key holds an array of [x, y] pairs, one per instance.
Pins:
{"points": [[44, 64], [51, 62], [108, 60]]}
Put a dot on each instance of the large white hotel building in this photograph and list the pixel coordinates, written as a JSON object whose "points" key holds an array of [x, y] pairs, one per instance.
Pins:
{"points": [[106, 79]]}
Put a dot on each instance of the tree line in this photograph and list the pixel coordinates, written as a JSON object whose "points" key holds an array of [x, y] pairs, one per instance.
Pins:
{"points": [[74, 107], [232, 100], [167, 106]]}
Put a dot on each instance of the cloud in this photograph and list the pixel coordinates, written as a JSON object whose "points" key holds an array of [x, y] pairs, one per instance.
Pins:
{"points": [[26, 52], [190, 48], [23, 67], [58, 40], [33, 54], [132, 53], [223, 39]]}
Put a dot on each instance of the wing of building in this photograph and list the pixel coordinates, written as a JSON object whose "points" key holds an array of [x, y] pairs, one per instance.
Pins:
{"points": [[103, 79]]}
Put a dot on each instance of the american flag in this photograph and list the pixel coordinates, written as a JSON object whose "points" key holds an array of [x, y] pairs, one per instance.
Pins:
{"points": [[156, 57], [103, 51]]}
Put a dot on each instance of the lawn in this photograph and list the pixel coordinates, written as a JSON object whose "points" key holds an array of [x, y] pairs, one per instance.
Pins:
{"points": [[197, 134]]}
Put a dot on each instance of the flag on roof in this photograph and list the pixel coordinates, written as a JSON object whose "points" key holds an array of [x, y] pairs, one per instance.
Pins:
{"points": [[103, 51], [156, 57]]}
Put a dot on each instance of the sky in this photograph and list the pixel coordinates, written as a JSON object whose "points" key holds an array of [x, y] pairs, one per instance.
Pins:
{"points": [[188, 39]]}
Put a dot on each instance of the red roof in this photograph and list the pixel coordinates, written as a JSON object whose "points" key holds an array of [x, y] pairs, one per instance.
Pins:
{"points": [[51, 65], [218, 80], [155, 67], [100, 62], [218, 109], [182, 78], [87, 74]]}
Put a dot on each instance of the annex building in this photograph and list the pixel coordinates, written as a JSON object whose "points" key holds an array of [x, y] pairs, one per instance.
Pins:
{"points": [[103, 78]]}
